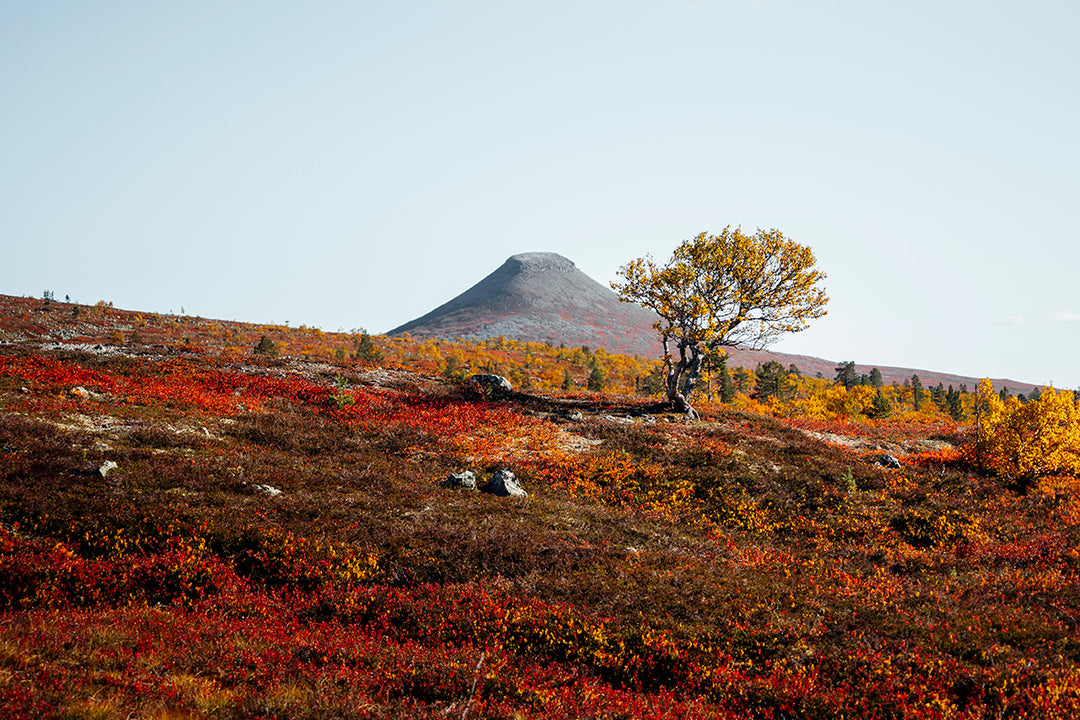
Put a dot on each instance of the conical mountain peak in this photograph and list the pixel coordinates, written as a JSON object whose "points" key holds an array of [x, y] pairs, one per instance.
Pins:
{"points": [[541, 297]]}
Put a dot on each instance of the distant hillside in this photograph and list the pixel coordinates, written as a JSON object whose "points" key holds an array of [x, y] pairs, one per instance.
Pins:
{"points": [[544, 297], [808, 365], [538, 297]]}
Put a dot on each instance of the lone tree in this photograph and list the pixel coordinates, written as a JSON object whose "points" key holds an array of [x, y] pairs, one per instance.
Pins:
{"points": [[846, 375], [724, 290]]}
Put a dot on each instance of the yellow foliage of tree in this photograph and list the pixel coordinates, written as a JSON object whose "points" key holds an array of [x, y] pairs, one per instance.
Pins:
{"points": [[1028, 440], [720, 291]]}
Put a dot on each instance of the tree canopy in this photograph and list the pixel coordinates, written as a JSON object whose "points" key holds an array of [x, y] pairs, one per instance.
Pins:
{"points": [[726, 290]]}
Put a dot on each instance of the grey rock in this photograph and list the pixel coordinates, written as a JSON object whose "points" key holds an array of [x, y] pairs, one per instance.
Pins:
{"points": [[107, 467], [465, 480], [492, 382], [889, 461], [505, 484]]}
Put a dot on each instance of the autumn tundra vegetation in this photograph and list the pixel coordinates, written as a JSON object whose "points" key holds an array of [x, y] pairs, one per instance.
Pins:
{"points": [[212, 519]]}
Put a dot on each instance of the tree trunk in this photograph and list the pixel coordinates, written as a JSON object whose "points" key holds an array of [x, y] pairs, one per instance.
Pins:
{"points": [[691, 366]]}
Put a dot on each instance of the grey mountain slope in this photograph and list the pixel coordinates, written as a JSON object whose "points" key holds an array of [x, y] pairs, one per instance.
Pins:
{"points": [[541, 297]]}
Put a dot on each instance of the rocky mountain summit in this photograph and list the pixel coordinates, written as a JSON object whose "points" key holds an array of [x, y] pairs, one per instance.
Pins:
{"points": [[541, 297]]}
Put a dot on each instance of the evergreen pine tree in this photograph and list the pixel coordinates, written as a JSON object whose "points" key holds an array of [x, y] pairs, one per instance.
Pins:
{"points": [[917, 394], [876, 381], [769, 380], [743, 380], [955, 404], [266, 346], [937, 396], [366, 349], [846, 375]]}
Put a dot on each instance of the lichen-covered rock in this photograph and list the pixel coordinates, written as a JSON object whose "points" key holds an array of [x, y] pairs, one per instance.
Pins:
{"points": [[464, 480], [505, 484]]}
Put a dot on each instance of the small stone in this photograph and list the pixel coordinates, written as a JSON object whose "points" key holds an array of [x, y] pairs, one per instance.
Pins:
{"points": [[107, 467], [80, 392], [269, 490], [505, 484], [465, 480]]}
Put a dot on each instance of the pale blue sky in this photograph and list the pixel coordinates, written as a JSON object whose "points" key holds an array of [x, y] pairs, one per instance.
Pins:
{"points": [[355, 164]]}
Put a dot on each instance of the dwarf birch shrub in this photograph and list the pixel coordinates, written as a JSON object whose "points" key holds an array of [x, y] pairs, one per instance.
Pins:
{"points": [[1029, 440]]}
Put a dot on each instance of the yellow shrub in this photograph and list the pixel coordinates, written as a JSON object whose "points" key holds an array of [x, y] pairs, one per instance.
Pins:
{"points": [[1033, 439]]}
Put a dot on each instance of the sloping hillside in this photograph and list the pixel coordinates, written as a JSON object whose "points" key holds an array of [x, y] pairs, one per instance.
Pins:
{"points": [[191, 532]]}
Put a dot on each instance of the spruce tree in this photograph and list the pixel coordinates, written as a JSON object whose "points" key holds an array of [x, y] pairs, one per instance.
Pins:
{"points": [[917, 394]]}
